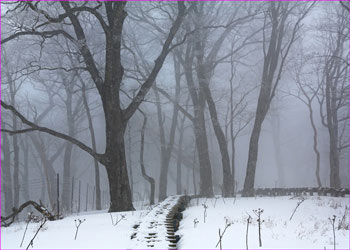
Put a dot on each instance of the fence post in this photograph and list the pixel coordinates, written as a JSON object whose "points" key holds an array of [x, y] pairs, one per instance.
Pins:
{"points": [[71, 203], [58, 194]]}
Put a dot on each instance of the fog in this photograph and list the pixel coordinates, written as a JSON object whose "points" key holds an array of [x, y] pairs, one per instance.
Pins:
{"points": [[246, 68]]}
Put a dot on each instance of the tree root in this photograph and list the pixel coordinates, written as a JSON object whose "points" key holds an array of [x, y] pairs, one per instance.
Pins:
{"points": [[8, 220]]}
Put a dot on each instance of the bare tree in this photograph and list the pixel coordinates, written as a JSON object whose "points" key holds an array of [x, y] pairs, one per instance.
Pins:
{"points": [[307, 94], [116, 118], [278, 15], [333, 99]]}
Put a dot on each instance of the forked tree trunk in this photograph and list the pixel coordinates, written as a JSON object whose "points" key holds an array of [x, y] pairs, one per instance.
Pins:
{"points": [[199, 127], [220, 136], [148, 178]]}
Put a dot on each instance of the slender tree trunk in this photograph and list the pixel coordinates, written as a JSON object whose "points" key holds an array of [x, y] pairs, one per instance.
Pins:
{"points": [[179, 158], [49, 172], [163, 176], [225, 159], [93, 143], [166, 148], [142, 165], [15, 151], [278, 14], [6, 172], [332, 122], [277, 145], [25, 175], [317, 153], [233, 160], [253, 154], [199, 127], [130, 162], [194, 173], [67, 155]]}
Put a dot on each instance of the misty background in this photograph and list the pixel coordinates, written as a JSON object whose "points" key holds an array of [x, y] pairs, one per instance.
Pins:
{"points": [[45, 79]]}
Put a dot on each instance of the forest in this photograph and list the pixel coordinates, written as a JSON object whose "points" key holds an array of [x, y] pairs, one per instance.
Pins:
{"points": [[107, 103]]}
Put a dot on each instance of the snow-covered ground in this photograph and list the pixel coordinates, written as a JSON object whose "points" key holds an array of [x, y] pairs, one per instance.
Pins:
{"points": [[309, 228], [95, 233]]}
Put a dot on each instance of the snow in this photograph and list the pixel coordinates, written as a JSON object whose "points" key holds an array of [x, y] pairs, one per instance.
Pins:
{"points": [[153, 224], [310, 227]]}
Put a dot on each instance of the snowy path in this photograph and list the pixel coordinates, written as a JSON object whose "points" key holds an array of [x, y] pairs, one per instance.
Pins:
{"points": [[155, 230]]}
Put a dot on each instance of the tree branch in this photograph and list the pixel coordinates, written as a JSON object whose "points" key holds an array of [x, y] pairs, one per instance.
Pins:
{"points": [[130, 110], [166, 95], [43, 34], [33, 126]]}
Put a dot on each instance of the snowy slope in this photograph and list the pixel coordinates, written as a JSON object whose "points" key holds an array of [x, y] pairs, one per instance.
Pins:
{"points": [[309, 227], [95, 233]]}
